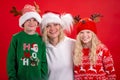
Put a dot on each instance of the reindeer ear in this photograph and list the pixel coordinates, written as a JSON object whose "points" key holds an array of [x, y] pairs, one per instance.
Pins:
{"points": [[96, 17], [37, 7], [15, 12]]}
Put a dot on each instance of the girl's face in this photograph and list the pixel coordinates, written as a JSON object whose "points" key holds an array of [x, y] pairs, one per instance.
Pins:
{"points": [[53, 30], [30, 25], [85, 36]]}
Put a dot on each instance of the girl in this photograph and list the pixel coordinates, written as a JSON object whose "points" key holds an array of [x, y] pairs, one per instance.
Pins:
{"points": [[92, 59]]}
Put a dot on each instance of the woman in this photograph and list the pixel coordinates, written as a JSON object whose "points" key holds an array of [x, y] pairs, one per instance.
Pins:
{"points": [[59, 47], [92, 59]]}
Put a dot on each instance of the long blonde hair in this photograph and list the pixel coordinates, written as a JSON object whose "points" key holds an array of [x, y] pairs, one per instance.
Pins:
{"points": [[46, 39], [78, 54]]}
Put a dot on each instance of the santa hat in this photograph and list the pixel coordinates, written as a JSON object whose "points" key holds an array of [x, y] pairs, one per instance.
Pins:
{"points": [[65, 20], [86, 24], [34, 45], [27, 13]]}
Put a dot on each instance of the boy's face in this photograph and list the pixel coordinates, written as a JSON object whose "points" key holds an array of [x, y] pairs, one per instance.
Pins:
{"points": [[30, 25]]}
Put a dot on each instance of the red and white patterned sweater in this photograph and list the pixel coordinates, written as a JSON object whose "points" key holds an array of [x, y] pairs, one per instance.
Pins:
{"points": [[103, 70]]}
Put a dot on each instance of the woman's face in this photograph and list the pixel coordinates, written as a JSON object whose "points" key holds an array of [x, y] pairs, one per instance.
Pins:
{"points": [[85, 36], [53, 30]]}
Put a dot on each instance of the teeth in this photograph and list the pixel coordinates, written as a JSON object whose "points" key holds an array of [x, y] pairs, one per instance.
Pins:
{"points": [[85, 39], [52, 32]]}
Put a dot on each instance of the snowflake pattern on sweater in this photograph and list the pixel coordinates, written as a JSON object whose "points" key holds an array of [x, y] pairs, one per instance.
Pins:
{"points": [[103, 70]]}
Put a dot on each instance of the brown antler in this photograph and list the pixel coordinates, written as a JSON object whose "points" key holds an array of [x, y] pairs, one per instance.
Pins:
{"points": [[76, 18], [96, 17], [37, 7], [15, 12]]}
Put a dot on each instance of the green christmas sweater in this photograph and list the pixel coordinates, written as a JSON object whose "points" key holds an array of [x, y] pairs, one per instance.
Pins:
{"points": [[27, 57]]}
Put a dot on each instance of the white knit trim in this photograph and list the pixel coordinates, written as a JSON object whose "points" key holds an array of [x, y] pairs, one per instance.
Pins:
{"points": [[50, 18], [27, 16]]}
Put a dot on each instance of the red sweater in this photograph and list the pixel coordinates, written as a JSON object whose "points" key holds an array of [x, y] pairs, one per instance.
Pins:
{"points": [[103, 70]]}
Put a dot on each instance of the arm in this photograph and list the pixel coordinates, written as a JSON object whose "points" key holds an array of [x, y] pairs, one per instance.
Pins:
{"points": [[44, 66], [11, 61], [109, 65]]}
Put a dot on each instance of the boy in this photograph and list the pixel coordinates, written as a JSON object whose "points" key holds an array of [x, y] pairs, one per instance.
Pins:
{"points": [[27, 52]]}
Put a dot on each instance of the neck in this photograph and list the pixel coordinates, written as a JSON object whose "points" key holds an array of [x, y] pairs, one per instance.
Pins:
{"points": [[54, 41], [87, 45], [29, 32]]}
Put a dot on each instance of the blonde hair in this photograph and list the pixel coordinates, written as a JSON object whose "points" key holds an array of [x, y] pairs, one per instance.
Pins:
{"points": [[78, 54], [46, 39]]}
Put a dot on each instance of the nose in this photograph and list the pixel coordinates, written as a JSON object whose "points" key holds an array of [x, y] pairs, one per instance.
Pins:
{"points": [[52, 27]]}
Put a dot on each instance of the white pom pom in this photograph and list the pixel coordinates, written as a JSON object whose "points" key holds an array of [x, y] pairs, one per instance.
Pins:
{"points": [[67, 21]]}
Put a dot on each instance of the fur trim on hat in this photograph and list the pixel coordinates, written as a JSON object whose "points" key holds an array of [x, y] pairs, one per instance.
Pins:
{"points": [[50, 18], [65, 20], [27, 16]]}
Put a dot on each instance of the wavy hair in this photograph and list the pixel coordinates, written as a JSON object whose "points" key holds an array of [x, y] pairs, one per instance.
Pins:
{"points": [[78, 54]]}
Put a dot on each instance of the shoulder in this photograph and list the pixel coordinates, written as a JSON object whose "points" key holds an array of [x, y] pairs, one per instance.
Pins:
{"points": [[17, 35], [70, 39], [102, 47], [39, 36], [40, 39]]}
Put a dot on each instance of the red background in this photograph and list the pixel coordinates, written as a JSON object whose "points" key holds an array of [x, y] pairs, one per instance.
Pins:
{"points": [[108, 28]]}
